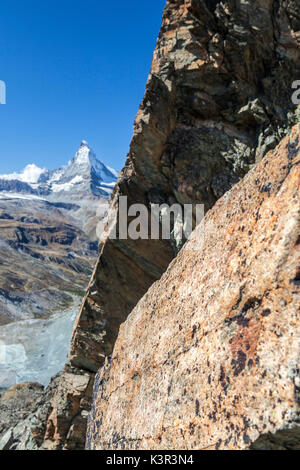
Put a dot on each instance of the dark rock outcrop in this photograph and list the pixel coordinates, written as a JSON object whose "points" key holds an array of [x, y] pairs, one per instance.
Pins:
{"points": [[217, 100], [16, 186]]}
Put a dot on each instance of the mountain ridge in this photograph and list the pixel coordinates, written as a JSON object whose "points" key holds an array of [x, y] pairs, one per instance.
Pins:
{"points": [[84, 173]]}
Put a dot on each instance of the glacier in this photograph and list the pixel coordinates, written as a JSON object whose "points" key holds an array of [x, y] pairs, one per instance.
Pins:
{"points": [[35, 350]]}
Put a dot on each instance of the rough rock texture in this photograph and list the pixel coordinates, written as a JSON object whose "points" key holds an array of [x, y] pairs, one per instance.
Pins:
{"points": [[210, 357], [217, 99], [23, 412], [32, 418], [69, 411]]}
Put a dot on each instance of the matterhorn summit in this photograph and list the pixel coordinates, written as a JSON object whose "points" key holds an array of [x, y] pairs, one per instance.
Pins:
{"points": [[84, 155], [85, 174]]}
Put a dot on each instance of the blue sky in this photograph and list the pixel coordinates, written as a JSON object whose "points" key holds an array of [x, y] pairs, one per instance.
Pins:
{"points": [[74, 69]]}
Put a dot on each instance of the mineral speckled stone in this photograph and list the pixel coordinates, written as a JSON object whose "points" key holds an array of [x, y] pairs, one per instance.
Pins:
{"points": [[209, 358]]}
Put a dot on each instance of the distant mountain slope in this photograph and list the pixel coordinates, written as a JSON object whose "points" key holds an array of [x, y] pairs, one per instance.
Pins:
{"points": [[48, 242]]}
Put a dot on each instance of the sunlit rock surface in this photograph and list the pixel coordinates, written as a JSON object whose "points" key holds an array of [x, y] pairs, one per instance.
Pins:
{"points": [[209, 358]]}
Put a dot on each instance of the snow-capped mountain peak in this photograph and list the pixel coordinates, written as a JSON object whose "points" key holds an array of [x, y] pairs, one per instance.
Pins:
{"points": [[84, 176], [85, 168], [84, 155]]}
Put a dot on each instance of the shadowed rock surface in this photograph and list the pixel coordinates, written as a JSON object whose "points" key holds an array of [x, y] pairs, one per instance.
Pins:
{"points": [[209, 358], [219, 92]]}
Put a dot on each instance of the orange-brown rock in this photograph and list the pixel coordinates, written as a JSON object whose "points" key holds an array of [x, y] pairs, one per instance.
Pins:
{"points": [[209, 358], [70, 405]]}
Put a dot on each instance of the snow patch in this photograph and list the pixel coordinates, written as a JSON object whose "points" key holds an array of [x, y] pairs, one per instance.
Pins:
{"points": [[114, 172], [83, 173], [56, 187], [83, 154]]}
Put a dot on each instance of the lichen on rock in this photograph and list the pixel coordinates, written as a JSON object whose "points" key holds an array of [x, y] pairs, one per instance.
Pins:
{"points": [[209, 358]]}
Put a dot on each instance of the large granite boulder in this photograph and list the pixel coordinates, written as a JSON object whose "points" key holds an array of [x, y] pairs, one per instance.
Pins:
{"points": [[209, 358]]}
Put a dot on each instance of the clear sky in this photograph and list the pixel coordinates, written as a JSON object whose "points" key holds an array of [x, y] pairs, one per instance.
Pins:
{"points": [[74, 70]]}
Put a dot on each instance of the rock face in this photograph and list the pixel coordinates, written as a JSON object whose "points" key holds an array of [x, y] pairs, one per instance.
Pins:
{"points": [[218, 98], [69, 410], [209, 358], [23, 411]]}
